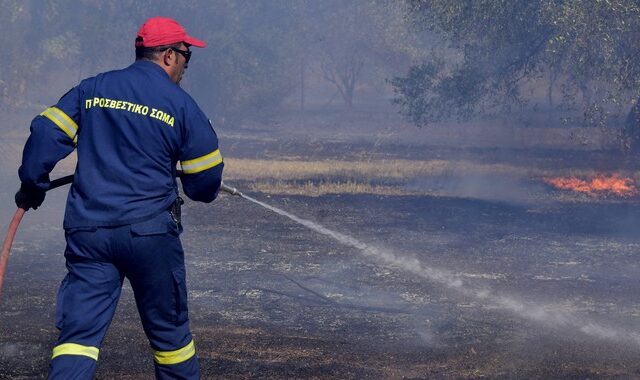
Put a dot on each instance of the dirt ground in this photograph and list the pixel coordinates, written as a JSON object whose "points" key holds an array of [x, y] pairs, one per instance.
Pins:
{"points": [[536, 285]]}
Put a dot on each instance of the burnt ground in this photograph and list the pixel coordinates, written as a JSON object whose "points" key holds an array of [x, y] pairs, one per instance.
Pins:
{"points": [[272, 299]]}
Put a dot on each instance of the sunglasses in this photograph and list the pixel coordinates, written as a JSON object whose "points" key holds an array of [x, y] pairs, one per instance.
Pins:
{"points": [[185, 53]]}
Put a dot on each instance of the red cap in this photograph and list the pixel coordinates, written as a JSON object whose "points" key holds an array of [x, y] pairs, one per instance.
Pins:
{"points": [[159, 31]]}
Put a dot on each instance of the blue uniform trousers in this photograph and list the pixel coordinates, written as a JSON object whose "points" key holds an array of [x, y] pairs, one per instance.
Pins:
{"points": [[150, 255]]}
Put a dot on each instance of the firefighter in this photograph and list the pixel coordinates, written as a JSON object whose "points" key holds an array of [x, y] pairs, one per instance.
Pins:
{"points": [[130, 128]]}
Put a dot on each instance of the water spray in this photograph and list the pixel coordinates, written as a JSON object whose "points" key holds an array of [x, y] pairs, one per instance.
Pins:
{"points": [[544, 314]]}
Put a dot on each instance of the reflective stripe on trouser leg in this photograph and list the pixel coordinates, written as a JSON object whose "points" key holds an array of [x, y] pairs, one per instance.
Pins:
{"points": [[75, 349], [177, 356], [73, 361]]}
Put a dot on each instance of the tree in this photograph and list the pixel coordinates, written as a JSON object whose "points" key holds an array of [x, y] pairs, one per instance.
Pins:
{"points": [[588, 46], [348, 38]]}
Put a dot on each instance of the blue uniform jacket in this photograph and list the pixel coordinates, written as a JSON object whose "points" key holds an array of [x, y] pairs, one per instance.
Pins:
{"points": [[130, 127]]}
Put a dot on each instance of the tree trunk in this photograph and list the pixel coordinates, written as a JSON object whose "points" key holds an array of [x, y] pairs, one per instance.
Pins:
{"points": [[587, 94], [632, 130], [348, 95], [552, 82]]}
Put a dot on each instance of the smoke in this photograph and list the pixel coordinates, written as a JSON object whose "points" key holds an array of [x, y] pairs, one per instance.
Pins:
{"points": [[490, 187], [544, 314]]}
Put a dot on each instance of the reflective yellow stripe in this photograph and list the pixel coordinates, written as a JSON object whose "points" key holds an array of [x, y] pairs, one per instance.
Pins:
{"points": [[174, 357], [61, 119], [76, 349], [201, 163]]}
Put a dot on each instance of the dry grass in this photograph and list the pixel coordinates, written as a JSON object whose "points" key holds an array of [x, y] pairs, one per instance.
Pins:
{"points": [[382, 177], [316, 189], [248, 169]]}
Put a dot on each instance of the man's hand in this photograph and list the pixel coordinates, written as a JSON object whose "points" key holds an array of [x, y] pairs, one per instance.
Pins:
{"points": [[29, 197]]}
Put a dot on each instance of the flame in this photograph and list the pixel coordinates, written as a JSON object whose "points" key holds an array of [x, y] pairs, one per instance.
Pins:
{"points": [[613, 184]]}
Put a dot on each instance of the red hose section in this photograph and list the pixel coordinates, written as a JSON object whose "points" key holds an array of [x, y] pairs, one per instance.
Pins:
{"points": [[8, 241]]}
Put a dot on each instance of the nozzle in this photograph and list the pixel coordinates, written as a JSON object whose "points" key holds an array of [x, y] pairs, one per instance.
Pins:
{"points": [[229, 189]]}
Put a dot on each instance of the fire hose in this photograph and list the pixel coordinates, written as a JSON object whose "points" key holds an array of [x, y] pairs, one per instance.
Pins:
{"points": [[17, 218]]}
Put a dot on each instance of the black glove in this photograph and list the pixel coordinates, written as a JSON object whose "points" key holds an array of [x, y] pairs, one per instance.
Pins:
{"points": [[29, 197]]}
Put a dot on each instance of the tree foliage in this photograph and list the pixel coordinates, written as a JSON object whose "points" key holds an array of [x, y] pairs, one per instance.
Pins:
{"points": [[499, 47]]}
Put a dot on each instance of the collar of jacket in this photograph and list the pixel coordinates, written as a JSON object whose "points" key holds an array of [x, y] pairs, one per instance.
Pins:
{"points": [[151, 66]]}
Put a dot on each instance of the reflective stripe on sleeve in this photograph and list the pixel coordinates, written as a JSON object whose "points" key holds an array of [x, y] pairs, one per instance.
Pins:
{"points": [[76, 349], [174, 357], [201, 163], [62, 120]]}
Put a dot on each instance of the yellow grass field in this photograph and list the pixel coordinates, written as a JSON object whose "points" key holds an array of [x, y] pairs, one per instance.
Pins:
{"points": [[294, 176]]}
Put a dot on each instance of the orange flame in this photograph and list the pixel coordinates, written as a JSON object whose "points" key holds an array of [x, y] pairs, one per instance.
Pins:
{"points": [[613, 184]]}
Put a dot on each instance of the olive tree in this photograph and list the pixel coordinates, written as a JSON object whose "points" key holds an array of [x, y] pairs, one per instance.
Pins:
{"points": [[588, 49]]}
